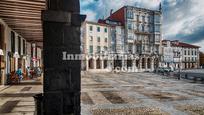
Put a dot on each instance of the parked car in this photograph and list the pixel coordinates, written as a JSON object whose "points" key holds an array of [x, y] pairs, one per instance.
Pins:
{"points": [[164, 69]]}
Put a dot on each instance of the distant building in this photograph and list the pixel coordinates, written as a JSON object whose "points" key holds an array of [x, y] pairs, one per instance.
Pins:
{"points": [[179, 55]]}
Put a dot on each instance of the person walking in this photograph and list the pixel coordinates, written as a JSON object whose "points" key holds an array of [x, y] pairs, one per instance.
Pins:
{"points": [[19, 74]]}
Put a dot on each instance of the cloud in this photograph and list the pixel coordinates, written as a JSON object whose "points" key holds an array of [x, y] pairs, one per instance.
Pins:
{"points": [[91, 15], [182, 19], [103, 7]]}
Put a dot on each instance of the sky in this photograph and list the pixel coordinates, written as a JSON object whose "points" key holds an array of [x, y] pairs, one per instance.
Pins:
{"points": [[182, 19]]}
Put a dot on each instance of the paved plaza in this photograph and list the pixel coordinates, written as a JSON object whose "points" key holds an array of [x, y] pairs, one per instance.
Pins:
{"points": [[140, 94], [117, 94]]}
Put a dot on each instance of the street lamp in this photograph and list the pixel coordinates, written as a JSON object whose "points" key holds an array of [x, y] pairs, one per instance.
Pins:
{"points": [[179, 56]]}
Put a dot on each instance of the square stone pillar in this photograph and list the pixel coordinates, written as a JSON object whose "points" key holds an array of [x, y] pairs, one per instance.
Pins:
{"points": [[61, 33]]}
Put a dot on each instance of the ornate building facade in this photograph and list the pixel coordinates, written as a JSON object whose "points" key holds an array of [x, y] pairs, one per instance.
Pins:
{"points": [[142, 37]]}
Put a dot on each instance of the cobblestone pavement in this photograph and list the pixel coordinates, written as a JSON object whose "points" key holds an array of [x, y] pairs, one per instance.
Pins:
{"points": [[18, 99], [140, 93], [117, 94]]}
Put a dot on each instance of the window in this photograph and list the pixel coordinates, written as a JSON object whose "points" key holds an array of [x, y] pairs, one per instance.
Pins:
{"points": [[188, 52], [129, 14], [91, 28], [91, 38], [98, 49], [143, 28], [91, 49], [157, 18], [106, 40], [98, 39], [138, 18], [138, 28], [185, 52], [105, 48], [157, 28], [130, 26], [98, 29], [143, 18], [105, 30], [12, 41], [19, 45]]}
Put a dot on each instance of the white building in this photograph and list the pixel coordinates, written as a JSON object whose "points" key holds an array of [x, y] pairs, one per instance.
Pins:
{"points": [[95, 42], [180, 55]]}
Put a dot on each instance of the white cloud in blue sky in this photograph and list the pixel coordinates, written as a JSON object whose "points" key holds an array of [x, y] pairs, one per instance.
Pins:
{"points": [[182, 19]]}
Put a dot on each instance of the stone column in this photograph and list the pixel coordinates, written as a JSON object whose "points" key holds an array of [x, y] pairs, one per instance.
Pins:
{"points": [[146, 64], [102, 64], [140, 64], [134, 65], [87, 65], [61, 33], [152, 64], [94, 63]]}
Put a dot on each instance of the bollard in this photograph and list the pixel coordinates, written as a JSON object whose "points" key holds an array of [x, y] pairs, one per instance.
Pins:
{"points": [[38, 104]]}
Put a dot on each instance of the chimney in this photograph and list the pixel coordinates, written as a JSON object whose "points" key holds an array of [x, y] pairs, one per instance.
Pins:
{"points": [[111, 12]]}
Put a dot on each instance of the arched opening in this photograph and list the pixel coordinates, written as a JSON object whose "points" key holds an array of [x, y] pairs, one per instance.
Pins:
{"points": [[137, 63], [148, 63], [98, 64], [117, 63], [91, 63], [105, 63], [143, 63], [129, 63]]}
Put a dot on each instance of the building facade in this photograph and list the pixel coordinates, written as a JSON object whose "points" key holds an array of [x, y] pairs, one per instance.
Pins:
{"points": [[95, 42], [180, 55], [142, 37]]}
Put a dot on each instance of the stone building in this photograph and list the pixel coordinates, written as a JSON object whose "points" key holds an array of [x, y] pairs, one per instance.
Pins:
{"points": [[142, 37], [95, 43], [180, 55]]}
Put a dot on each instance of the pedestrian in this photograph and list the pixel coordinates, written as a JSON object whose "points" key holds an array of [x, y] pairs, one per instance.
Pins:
{"points": [[19, 74], [28, 72]]}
